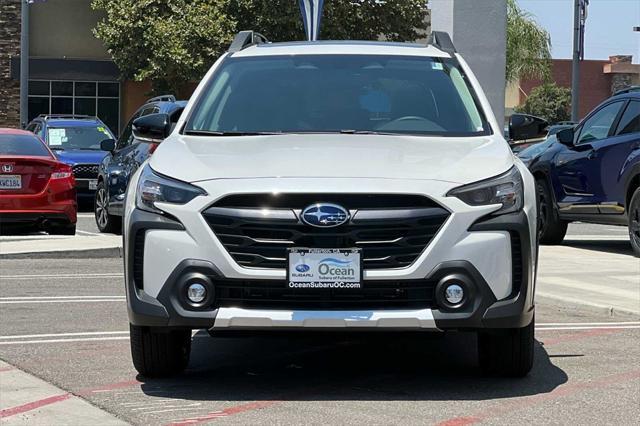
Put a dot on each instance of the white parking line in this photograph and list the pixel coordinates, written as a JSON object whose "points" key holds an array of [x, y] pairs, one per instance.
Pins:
{"points": [[96, 336], [17, 302], [60, 297], [61, 276], [86, 333]]}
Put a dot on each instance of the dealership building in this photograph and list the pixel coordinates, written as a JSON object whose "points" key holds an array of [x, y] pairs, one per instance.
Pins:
{"points": [[70, 71]]}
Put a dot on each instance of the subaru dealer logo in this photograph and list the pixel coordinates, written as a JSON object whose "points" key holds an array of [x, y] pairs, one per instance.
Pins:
{"points": [[302, 268], [7, 168], [325, 215]]}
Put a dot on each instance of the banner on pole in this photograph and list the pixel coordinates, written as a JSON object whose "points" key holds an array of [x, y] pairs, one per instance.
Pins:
{"points": [[311, 11]]}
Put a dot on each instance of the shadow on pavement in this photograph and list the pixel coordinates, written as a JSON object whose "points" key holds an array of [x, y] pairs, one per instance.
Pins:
{"points": [[373, 367], [610, 246]]}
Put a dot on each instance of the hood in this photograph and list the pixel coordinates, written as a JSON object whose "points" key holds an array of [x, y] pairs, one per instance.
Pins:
{"points": [[79, 156], [459, 160]]}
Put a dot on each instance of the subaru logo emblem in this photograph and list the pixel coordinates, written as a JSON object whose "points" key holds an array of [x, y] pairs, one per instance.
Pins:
{"points": [[7, 168], [324, 215], [302, 268]]}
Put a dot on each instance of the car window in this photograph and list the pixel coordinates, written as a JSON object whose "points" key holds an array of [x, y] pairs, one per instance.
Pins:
{"points": [[126, 138], [598, 125], [630, 121], [22, 145], [334, 93]]}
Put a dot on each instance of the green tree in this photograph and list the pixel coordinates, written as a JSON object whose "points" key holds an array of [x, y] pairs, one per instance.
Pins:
{"points": [[173, 42], [528, 46], [549, 101]]}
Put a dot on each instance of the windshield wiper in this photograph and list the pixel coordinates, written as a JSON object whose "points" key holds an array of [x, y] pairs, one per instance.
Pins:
{"points": [[364, 132], [56, 148], [217, 133]]}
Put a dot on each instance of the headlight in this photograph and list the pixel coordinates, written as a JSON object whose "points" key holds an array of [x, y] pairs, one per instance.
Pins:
{"points": [[154, 188], [506, 189]]}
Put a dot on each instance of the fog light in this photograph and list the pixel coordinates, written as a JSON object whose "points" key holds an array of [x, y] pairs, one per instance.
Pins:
{"points": [[454, 294], [196, 292]]}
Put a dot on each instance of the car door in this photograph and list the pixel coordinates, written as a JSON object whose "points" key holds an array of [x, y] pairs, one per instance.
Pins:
{"points": [[623, 151], [116, 171], [139, 150], [580, 188]]}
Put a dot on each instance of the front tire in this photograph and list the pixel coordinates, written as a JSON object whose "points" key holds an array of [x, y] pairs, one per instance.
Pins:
{"points": [[507, 352], [634, 222], [104, 221], [158, 353], [551, 229]]}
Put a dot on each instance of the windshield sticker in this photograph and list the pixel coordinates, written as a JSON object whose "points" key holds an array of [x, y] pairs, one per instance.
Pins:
{"points": [[57, 137], [436, 66], [103, 130]]}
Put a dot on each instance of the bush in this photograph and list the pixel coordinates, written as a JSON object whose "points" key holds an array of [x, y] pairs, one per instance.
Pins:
{"points": [[548, 101]]}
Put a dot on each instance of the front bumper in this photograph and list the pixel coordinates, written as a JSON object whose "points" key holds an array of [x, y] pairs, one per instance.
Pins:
{"points": [[164, 304]]}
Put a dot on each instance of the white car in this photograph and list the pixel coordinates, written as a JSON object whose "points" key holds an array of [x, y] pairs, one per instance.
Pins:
{"points": [[342, 186]]}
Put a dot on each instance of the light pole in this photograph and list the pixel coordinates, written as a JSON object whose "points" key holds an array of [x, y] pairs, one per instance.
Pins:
{"points": [[24, 63], [579, 18]]}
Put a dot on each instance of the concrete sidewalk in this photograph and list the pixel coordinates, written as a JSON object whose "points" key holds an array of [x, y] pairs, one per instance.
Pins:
{"points": [[25, 399], [83, 244], [591, 271]]}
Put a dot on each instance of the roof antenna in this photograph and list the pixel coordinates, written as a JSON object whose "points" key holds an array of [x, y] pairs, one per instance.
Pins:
{"points": [[311, 11]]}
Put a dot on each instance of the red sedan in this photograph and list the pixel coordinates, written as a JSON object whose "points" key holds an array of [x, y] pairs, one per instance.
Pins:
{"points": [[36, 190]]}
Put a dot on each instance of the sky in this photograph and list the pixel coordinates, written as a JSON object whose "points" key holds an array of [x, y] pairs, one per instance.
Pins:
{"points": [[609, 27]]}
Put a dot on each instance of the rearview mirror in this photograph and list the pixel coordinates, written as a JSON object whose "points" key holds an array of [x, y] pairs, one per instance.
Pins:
{"points": [[565, 136], [523, 126], [152, 128], [108, 145]]}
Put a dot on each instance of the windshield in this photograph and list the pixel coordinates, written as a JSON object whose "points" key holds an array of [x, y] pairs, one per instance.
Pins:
{"points": [[22, 145], [338, 93], [84, 137]]}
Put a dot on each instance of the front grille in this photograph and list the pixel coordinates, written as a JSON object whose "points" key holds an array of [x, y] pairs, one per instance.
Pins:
{"points": [[391, 230], [85, 171], [263, 294]]}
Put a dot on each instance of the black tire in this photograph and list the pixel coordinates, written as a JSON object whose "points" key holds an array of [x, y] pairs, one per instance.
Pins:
{"points": [[634, 221], [158, 353], [69, 229], [104, 221], [507, 352], [551, 229]]}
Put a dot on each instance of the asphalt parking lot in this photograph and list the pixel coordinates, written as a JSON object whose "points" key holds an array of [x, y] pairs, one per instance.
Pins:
{"points": [[65, 321]]}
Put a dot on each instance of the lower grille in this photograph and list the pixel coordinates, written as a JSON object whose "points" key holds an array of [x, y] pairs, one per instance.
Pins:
{"points": [[392, 231], [263, 294], [516, 262], [85, 171]]}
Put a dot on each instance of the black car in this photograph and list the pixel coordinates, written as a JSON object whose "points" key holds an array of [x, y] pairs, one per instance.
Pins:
{"points": [[124, 157]]}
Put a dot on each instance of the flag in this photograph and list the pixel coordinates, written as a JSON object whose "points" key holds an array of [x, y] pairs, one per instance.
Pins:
{"points": [[311, 11]]}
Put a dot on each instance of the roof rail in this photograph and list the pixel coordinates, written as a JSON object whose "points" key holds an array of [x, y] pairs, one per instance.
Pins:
{"points": [[244, 39], [442, 41], [629, 89], [162, 98], [69, 116]]}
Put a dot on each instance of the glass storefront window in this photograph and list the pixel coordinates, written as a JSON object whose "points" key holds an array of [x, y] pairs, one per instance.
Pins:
{"points": [[76, 97]]}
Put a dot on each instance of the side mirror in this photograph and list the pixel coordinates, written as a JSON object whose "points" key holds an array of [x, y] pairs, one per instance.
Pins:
{"points": [[565, 137], [152, 128], [108, 145], [523, 126]]}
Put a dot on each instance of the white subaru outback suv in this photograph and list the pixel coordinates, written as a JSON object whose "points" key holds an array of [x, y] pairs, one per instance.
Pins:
{"points": [[331, 186]]}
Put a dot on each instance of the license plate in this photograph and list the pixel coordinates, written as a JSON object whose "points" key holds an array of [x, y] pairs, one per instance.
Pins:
{"points": [[11, 182], [324, 268], [93, 184]]}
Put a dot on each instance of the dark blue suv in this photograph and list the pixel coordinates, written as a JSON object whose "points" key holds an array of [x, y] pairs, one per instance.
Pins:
{"points": [[75, 140], [592, 173], [123, 158]]}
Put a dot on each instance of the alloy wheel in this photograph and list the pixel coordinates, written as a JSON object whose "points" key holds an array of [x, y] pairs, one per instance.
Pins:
{"points": [[101, 208]]}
